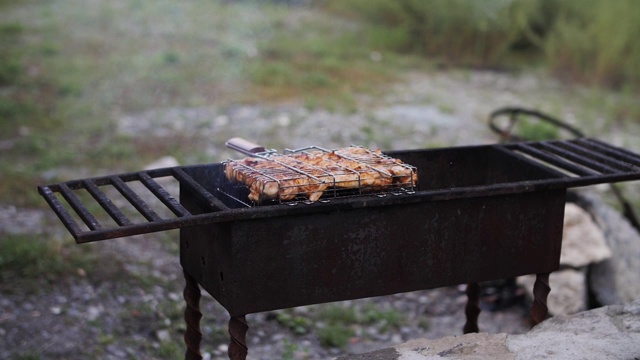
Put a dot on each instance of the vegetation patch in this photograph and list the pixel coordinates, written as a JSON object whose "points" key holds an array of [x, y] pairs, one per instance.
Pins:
{"points": [[336, 325], [589, 41], [25, 258]]}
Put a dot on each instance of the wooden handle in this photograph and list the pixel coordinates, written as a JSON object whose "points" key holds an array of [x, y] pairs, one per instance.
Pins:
{"points": [[244, 146]]}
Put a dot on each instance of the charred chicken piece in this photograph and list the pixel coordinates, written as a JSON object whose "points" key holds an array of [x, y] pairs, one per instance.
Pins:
{"points": [[308, 174]]}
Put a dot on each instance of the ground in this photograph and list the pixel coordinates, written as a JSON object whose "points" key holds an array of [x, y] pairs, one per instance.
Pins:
{"points": [[126, 303]]}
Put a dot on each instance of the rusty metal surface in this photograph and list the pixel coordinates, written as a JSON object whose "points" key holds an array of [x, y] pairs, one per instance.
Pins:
{"points": [[263, 264]]}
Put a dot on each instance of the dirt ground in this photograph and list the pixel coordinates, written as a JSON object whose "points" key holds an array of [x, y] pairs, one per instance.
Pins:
{"points": [[128, 303]]}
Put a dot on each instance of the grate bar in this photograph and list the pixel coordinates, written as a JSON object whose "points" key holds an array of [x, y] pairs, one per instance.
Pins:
{"points": [[64, 216], [572, 156], [618, 153], [82, 211], [163, 195], [106, 203], [134, 199], [612, 162], [211, 201], [554, 160]]}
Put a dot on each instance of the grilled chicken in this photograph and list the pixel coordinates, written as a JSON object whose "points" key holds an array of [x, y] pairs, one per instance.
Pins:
{"points": [[310, 173]]}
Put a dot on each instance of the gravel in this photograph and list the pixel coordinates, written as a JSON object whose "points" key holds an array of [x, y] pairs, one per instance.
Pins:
{"points": [[128, 303]]}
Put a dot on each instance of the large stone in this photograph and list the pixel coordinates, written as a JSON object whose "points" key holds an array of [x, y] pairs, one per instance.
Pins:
{"points": [[611, 332], [583, 241], [607, 333], [471, 346], [615, 280], [568, 291]]}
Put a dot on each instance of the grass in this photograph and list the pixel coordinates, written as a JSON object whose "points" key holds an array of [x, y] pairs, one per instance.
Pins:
{"points": [[589, 41], [24, 257], [335, 325]]}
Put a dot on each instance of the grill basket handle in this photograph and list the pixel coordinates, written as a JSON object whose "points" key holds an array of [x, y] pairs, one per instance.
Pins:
{"points": [[244, 146]]}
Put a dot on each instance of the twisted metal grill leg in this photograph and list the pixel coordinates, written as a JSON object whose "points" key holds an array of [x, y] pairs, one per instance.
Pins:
{"points": [[192, 316], [541, 289], [238, 330], [472, 309]]}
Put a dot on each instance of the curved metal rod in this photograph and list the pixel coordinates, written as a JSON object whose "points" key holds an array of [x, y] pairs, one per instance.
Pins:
{"points": [[507, 135], [515, 112]]}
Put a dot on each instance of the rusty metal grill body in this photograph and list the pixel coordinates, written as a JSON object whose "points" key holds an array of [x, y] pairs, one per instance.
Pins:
{"points": [[479, 213], [361, 247]]}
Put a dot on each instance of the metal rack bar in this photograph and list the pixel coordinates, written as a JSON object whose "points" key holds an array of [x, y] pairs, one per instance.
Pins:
{"points": [[67, 220], [616, 152], [572, 156], [134, 199], [554, 160], [596, 156], [82, 211], [163, 195], [106, 203]]}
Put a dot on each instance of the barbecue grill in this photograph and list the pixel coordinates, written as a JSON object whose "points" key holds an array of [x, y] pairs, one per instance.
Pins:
{"points": [[477, 213]]}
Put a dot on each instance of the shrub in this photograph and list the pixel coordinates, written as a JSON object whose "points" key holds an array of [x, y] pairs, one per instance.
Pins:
{"points": [[591, 41], [596, 42]]}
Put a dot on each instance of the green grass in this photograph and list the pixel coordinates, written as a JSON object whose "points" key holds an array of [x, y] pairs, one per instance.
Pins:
{"points": [[299, 325], [335, 335], [20, 256], [582, 40], [340, 322], [335, 325], [596, 42], [24, 258]]}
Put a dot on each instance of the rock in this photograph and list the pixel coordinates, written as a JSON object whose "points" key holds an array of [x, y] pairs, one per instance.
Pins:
{"points": [[471, 346], [611, 332], [568, 291], [583, 241], [615, 280], [163, 335], [93, 312]]}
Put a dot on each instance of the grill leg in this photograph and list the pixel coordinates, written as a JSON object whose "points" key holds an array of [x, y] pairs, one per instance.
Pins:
{"points": [[238, 330], [541, 289], [192, 316], [472, 310]]}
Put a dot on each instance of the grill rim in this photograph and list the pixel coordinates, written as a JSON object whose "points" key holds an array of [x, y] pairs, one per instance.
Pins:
{"points": [[219, 212]]}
